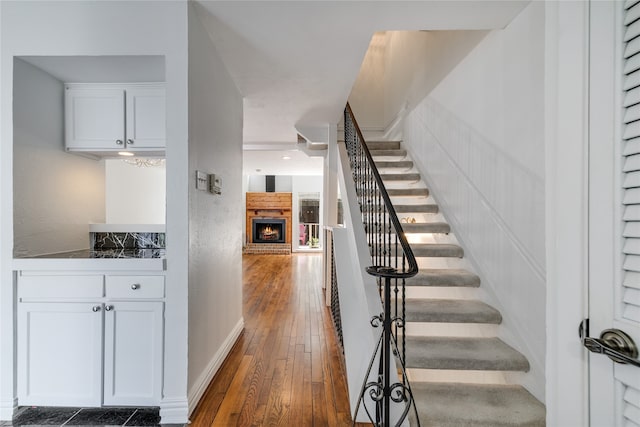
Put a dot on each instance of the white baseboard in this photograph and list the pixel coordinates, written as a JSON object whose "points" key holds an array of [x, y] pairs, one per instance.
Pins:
{"points": [[174, 411], [7, 408], [201, 384]]}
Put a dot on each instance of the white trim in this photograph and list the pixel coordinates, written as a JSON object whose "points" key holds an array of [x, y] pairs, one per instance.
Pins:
{"points": [[566, 26], [200, 385], [7, 409], [174, 411]]}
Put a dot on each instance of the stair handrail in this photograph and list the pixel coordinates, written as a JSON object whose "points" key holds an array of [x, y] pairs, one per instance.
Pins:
{"points": [[376, 270], [388, 264]]}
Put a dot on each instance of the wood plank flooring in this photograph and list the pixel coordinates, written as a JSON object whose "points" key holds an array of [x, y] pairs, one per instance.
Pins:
{"points": [[286, 368]]}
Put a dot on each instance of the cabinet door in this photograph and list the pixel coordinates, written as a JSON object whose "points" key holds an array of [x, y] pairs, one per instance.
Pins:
{"points": [[146, 118], [133, 353], [60, 354], [94, 119]]}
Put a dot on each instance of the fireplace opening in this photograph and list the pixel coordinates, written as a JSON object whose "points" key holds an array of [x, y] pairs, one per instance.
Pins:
{"points": [[269, 230]]}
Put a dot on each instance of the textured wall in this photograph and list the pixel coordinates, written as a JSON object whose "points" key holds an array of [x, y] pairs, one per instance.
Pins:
{"points": [[215, 221], [479, 140], [55, 194]]}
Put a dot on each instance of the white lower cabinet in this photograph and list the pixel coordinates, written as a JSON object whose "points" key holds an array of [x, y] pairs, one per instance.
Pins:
{"points": [[132, 353], [59, 354], [76, 352]]}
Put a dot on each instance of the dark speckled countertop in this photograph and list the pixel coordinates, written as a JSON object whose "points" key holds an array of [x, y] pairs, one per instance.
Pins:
{"points": [[109, 254]]}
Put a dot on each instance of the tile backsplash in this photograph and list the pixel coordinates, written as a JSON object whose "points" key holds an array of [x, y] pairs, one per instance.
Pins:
{"points": [[111, 240]]}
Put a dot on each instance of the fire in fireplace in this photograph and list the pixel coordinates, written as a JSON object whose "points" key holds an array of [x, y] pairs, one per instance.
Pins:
{"points": [[269, 230]]}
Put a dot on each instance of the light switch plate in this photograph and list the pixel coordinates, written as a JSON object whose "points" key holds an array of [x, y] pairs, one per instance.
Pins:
{"points": [[201, 181]]}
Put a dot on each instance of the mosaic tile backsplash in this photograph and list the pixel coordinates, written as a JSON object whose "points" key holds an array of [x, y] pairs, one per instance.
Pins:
{"points": [[103, 241]]}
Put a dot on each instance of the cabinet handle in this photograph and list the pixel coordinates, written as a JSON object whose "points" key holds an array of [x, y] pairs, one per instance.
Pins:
{"points": [[135, 286], [96, 308], [129, 141], [119, 142], [108, 307]]}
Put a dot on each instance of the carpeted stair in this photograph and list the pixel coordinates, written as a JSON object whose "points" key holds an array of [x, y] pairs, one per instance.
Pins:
{"points": [[449, 361]]}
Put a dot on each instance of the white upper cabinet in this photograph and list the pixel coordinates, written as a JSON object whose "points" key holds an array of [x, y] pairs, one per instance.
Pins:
{"points": [[111, 117], [146, 121], [94, 118]]}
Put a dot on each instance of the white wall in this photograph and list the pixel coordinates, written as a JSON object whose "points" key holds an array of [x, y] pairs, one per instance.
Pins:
{"points": [[134, 194], [104, 28], [215, 221], [478, 139], [400, 68], [55, 194]]}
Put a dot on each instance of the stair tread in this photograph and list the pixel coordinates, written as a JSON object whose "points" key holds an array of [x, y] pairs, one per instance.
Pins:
{"points": [[426, 227], [417, 208], [373, 145], [473, 405], [437, 250], [381, 164], [407, 192], [427, 207], [451, 311], [389, 153], [410, 176], [463, 353], [444, 277]]}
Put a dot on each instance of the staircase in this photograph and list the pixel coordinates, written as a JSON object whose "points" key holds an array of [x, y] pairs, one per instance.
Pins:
{"points": [[461, 374]]}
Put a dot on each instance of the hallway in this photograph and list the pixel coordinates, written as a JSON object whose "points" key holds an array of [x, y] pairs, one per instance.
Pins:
{"points": [[286, 367]]}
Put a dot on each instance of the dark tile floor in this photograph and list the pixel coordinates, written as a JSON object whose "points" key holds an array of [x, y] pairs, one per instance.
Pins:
{"points": [[48, 416]]}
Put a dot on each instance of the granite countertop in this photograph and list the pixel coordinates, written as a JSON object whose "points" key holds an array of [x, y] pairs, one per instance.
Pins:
{"points": [[108, 253]]}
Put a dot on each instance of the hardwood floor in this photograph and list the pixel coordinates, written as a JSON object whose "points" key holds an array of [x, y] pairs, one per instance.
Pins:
{"points": [[286, 368]]}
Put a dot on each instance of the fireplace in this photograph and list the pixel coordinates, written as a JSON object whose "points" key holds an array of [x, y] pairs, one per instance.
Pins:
{"points": [[269, 230], [268, 223]]}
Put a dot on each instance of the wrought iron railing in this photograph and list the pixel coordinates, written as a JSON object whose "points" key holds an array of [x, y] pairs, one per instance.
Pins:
{"points": [[392, 263], [335, 300]]}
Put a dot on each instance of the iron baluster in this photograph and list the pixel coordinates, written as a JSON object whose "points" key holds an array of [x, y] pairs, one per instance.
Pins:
{"points": [[381, 222]]}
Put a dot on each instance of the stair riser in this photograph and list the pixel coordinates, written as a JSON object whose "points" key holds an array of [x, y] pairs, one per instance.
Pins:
{"points": [[460, 330], [466, 377], [442, 292]]}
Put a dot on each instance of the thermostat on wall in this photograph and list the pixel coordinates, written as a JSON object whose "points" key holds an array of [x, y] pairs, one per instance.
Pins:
{"points": [[215, 184]]}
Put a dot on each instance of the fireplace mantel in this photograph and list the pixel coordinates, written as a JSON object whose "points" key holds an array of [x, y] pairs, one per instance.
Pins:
{"points": [[268, 205]]}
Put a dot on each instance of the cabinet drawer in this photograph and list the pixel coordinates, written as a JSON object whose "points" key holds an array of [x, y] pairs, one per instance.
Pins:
{"points": [[135, 286], [74, 287]]}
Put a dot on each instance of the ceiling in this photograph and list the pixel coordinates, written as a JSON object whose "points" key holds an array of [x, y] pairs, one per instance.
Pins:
{"points": [[295, 62], [101, 69]]}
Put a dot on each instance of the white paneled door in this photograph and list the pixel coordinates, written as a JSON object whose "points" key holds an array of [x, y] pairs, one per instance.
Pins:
{"points": [[614, 206]]}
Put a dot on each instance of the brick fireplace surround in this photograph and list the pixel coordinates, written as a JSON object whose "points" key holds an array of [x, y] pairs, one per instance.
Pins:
{"points": [[264, 206]]}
